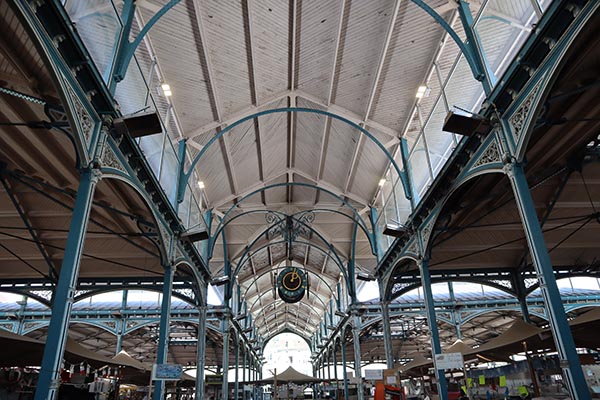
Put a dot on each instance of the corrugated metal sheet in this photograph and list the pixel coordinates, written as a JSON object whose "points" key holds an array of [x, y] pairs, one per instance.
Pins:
{"points": [[271, 42], [319, 23], [412, 47], [361, 48], [223, 25]]}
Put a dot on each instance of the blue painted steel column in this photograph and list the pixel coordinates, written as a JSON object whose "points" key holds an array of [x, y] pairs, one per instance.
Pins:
{"points": [[225, 330], [407, 177], [519, 288], [120, 325], [474, 44], [356, 328], [377, 239], [387, 334], [237, 366], [244, 366], [456, 317], [65, 289], [561, 331], [351, 266], [163, 332], [328, 358], [201, 352], [335, 372], [344, 371], [436, 348], [173, 197]]}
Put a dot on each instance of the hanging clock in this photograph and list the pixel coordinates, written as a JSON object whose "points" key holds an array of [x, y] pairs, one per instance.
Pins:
{"points": [[291, 284]]}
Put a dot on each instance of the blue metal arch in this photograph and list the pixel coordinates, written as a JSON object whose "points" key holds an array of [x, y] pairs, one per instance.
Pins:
{"points": [[465, 177], [359, 221], [576, 307], [63, 80], [536, 285], [461, 180], [40, 324], [185, 176], [471, 58], [117, 288], [547, 74], [287, 330], [24, 292], [43, 324], [302, 242], [408, 288], [406, 257], [127, 179], [110, 173], [329, 246], [516, 308], [157, 321]]}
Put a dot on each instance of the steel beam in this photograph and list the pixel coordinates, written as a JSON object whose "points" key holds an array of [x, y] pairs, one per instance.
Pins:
{"points": [[356, 328], [164, 328], [48, 381], [559, 325], [387, 334], [436, 347], [226, 334], [236, 349]]}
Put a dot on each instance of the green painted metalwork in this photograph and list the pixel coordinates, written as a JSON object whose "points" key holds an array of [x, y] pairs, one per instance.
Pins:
{"points": [[222, 225], [126, 49], [63, 297], [329, 246], [186, 175]]}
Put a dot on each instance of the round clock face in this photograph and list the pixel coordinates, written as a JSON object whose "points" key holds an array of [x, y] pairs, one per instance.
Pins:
{"points": [[291, 284], [292, 280]]}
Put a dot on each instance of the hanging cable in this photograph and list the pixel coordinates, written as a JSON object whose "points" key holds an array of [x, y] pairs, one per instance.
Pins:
{"points": [[587, 190], [570, 234]]}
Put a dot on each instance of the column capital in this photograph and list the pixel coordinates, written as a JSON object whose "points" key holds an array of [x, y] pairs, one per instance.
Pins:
{"points": [[512, 167], [95, 174]]}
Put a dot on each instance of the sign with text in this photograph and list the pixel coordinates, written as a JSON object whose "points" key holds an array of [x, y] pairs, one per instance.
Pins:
{"points": [[167, 372], [449, 361], [374, 374]]}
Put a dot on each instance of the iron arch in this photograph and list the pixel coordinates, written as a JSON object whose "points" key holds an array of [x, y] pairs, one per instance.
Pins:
{"points": [[222, 225], [185, 176], [329, 246]]}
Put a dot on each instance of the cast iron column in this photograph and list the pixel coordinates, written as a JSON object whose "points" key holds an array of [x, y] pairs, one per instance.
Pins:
{"points": [[436, 348], [65, 289], [201, 354], [569, 360], [356, 328], [163, 333], [387, 334]]}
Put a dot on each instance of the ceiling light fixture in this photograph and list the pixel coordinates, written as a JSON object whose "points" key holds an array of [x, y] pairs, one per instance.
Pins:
{"points": [[201, 185], [221, 280], [363, 276], [395, 230], [422, 91], [166, 88], [195, 235], [382, 181]]}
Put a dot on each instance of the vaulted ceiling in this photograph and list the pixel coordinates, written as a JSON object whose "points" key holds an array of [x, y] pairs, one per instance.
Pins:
{"points": [[361, 60]]}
